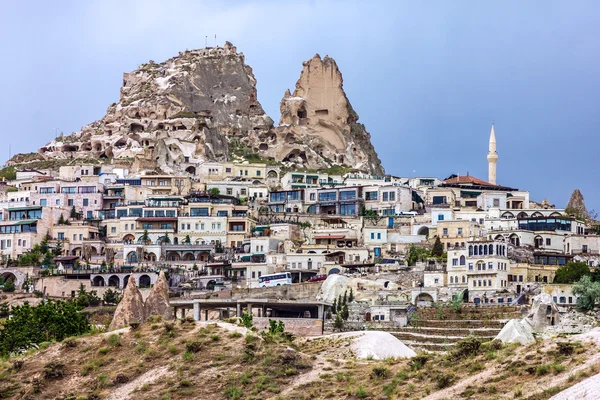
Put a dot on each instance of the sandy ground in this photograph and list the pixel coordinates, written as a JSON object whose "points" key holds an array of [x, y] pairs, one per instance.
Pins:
{"points": [[124, 392]]}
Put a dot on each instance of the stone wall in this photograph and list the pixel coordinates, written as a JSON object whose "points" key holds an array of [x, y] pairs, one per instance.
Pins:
{"points": [[297, 326], [299, 291]]}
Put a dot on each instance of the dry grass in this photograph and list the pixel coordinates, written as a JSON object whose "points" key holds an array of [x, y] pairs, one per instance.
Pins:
{"points": [[188, 360]]}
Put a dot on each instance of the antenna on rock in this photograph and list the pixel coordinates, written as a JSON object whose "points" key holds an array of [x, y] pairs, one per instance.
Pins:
{"points": [[215, 40], [206, 41]]}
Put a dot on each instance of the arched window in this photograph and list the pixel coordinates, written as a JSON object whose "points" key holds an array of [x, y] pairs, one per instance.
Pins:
{"points": [[480, 250], [462, 260], [470, 250], [485, 248], [490, 282], [464, 279], [491, 249]]}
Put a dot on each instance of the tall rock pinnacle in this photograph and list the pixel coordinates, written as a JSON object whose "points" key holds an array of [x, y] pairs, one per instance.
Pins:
{"points": [[131, 307], [157, 302], [576, 205]]}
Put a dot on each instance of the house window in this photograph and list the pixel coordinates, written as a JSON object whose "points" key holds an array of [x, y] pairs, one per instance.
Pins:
{"points": [[372, 235], [58, 202], [471, 266], [228, 170], [312, 196], [43, 202], [113, 229], [455, 261], [378, 235], [436, 280], [440, 217], [460, 231], [548, 241], [496, 202], [243, 192], [86, 202], [61, 236], [445, 231]]}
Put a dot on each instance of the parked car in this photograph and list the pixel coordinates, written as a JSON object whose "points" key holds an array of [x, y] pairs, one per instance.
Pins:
{"points": [[318, 277]]}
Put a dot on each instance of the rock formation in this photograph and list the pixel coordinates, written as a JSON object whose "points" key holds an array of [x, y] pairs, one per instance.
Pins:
{"points": [[131, 307], [202, 106], [318, 126], [576, 205], [157, 302]]}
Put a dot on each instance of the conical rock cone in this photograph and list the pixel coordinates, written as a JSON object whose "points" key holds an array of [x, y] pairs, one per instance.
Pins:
{"points": [[157, 302], [131, 307]]}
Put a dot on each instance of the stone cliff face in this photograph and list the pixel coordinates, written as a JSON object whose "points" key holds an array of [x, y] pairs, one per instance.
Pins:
{"points": [[202, 106], [318, 126], [576, 205]]}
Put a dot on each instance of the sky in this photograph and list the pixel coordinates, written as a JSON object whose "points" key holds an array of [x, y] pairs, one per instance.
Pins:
{"points": [[426, 78]]}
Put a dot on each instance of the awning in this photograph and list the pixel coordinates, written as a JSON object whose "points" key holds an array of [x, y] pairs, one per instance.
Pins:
{"points": [[245, 258], [25, 208], [27, 222], [165, 198], [258, 255], [329, 237]]}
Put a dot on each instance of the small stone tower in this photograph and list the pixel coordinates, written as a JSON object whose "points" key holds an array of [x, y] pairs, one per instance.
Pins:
{"points": [[492, 158]]}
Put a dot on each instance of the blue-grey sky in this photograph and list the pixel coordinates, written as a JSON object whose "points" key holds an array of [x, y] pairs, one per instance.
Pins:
{"points": [[426, 78]]}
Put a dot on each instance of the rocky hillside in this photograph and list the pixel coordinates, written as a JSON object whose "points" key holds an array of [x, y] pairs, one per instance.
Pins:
{"points": [[188, 360], [202, 106]]}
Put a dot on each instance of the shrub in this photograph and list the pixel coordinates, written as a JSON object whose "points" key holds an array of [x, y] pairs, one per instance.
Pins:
{"points": [[380, 371], [233, 392], [114, 340], [194, 346], [247, 320], [565, 348], [444, 380], [542, 369], [134, 325], [187, 356], [361, 393], [103, 350], [70, 342], [235, 335], [54, 370], [466, 348], [17, 365], [417, 362], [215, 338], [120, 379]]}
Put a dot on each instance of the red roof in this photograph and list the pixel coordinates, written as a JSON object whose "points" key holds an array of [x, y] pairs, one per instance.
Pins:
{"points": [[467, 179]]}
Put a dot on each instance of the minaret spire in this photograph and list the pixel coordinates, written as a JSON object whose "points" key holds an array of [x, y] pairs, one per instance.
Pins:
{"points": [[492, 157]]}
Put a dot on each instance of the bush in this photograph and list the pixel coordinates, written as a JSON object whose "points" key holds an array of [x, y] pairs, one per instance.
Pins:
{"points": [[111, 297], [247, 320], [119, 379], [444, 380], [565, 348], [466, 348], [233, 392], [114, 340], [380, 372], [194, 346], [54, 370], [417, 362], [49, 321]]}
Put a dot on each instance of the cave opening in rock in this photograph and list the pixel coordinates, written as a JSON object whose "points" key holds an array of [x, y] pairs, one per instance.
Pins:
{"points": [[322, 112], [263, 147], [136, 128], [302, 113], [191, 170], [121, 143]]}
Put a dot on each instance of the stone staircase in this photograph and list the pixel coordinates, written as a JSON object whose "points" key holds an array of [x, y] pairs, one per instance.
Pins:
{"points": [[433, 329]]}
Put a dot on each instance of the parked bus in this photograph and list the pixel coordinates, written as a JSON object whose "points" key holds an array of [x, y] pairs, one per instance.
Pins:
{"points": [[283, 278]]}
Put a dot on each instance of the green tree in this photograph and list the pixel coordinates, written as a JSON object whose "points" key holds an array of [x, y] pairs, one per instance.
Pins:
{"points": [[304, 226], [214, 192], [587, 292], [51, 320], [145, 238], [345, 313], [9, 286], [187, 239], [58, 249], [166, 238], [47, 261], [339, 303], [111, 297], [351, 296], [345, 298], [571, 272], [438, 248], [74, 213], [416, 253], [338, 323]]}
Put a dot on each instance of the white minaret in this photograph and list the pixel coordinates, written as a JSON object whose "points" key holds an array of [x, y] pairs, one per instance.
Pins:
{"points": [[492, 157]]}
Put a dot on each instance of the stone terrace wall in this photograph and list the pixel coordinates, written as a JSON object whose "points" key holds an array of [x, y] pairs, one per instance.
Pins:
{"points": [[297, 326], [297, 291]]}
